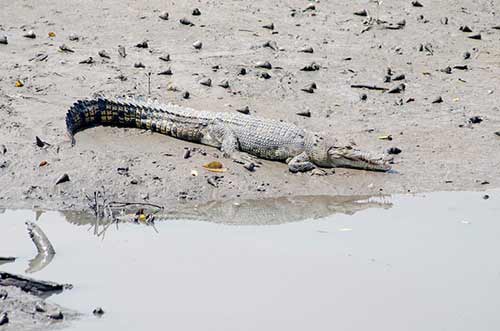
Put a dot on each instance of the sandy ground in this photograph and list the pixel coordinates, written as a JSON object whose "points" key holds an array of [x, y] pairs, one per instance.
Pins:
{"points": [[441, 150]]}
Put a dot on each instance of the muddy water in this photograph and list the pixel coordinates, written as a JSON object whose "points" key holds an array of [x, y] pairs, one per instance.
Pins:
{"points": [[425, 262]]}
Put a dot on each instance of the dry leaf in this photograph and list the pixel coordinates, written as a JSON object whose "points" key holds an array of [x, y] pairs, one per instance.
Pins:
{"points": [[19, 83], [214, 166], [52, 34]]}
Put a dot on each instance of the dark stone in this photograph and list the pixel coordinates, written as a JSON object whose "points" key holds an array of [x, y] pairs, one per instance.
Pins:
{"points": [[98, 311], [143, 44], [394, 150], [438, 100], [196, 12], [416, 4], [64, 178], [475, 120]]}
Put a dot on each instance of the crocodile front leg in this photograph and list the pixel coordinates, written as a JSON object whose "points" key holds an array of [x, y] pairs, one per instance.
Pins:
{"points": [[300, 163]]}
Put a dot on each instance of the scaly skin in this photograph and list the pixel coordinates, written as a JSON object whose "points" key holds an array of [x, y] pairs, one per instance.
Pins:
{"points": [[264, 138]]}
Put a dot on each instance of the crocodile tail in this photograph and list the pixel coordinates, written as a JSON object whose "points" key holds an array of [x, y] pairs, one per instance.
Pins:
{"points": [[89, 113]]}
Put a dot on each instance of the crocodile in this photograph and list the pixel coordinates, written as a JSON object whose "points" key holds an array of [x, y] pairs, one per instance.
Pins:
{"points": [[232, 133]]}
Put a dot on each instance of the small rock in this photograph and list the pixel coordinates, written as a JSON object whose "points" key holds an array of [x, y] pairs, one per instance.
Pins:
{"points": [[139, 65], [185, 95], [224, 83], [399, 77], [263, 64], [310, 6], [142, 44], [3, 40], [197, 44], [164, 15], [476, 36], [213, 181], [475, 120], [104, 54], [98, 311], [318, 172], [466, 55], [269, 26], [56, 315], [74, 37], [39, 142], [167, 72], [4, 318], [30, 34], [305, 113], [165, 57], [497, 133], [465, 28], [265, 75], [121, 51], [65, 48], [206, 82], [134, 181], [416, 4], [438, 100], [387, 79], [3, 294], [123, 171], [363, 97], [250, 166], [398, 89], [89, 60], [271, 44], [187, 154], [361, 13], [245, 110], [311, 67], [40, 307], [309, 88], [394, 150], [3, 149], [486, 197], [185, 21], [446, 70], [461, 67], [196, 12], [308, 49], [242, 72], [444, 20], [64, 178]]}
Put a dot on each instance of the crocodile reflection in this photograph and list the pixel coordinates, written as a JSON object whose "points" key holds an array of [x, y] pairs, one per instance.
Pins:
{"points": [[271, 211]]}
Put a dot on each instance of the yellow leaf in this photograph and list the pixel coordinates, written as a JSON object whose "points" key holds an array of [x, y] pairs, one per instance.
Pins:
{"points": [[43, 163], [19, 83], [214, 166], [142, 218], [52, 34]]}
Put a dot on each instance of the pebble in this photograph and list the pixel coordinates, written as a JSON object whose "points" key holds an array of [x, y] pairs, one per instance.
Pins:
{"points": [[307, 49], [399, 77], [74, 37], [3, 294], [57, 315], [212, 181], [39, 142], [361, 13], [387, 79], [4, 318], [187, 153], [416, 4], [269, 26], [271, 44], [466, 55], [206, 82], [313, 66], [64, 178], [310, 6], [309, 88], [486, 197], [444, 20], [196, 12], [65, 48], [164, 15], [476, 36], [89, 60], [3, 40], [167, 72], [104, 54], [263, 64], [185, 21], [40, 307], [438, 100], [250, 166], [30, 34], [98, 311], [305, 113], [475, 120], [265, 75], [398, 89], [242, 72], [121, 51], [497, 133], [165, 57], [185, 95], [224, 83], [465, 28], [446, 70], [139, 65], [142, 44], [197, 44], [245, 110], [134, 181], [394, 150], [363, 97], [3, 149]]}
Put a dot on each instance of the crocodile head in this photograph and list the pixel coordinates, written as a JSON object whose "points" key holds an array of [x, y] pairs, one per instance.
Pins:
{"points": [[348, 157], [329, 153]]}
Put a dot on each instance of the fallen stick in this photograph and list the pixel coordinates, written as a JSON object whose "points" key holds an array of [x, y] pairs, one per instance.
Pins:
{"points": [[369, 87], [45, 249], [30, 285]]}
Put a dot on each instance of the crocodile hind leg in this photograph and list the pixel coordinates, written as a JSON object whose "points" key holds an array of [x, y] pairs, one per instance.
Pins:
{"points": [[300, 163]]}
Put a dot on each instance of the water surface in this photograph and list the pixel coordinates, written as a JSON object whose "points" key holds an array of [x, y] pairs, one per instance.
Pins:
{"points": [[425, 262]]}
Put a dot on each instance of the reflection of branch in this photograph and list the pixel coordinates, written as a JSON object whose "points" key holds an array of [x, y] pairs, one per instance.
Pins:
{"points": [[45, 249], [118, 204]]}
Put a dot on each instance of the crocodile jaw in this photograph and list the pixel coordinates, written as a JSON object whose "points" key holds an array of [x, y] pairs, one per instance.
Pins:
{"points": [[347, 157]]}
